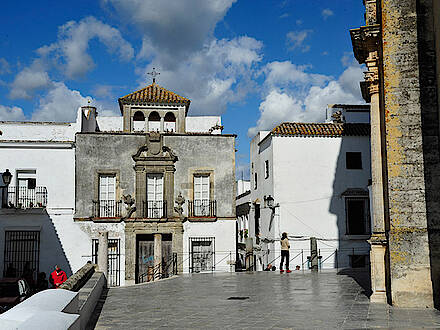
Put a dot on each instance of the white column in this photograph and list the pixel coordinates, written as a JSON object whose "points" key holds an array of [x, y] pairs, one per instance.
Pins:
{"points": [[157, 255]]}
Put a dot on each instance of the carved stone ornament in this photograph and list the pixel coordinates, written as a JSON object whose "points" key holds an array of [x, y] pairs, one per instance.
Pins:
{"points": [[337, 117], [180, 200], [371, 12], [154, 149], [129, 206]]}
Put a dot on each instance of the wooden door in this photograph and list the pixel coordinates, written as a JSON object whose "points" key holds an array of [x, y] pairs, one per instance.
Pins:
{"points": [[145, 259]]}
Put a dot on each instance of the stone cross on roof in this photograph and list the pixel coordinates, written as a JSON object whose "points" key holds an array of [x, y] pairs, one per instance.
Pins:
{"points": [[154, 73]]}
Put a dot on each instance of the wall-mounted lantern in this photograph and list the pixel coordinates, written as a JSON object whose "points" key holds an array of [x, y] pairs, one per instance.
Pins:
{"points": [[269, 201], [7, 176]]}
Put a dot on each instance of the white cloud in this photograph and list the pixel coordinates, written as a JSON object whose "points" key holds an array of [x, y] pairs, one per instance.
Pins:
{"points": [[326, 13], [68, 53], [4, 66], [295, 40], [11, 113], [73, 43], [176, 29], [218, 74], [306, 99], [276, 108], [60, 104], [30, 80], [286, 74]]}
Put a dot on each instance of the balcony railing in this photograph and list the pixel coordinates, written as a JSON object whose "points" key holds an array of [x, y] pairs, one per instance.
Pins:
{"points": [[107, 208], [25, 198], [154, 209], [202, 208]]}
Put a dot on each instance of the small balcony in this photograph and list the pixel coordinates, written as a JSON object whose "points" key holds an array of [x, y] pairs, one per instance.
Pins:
{"points": [[26, 198], [107, 209], [202, 208], [154, 209]]}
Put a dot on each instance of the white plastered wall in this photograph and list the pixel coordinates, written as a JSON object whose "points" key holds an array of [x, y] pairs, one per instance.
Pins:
{"points": [[224, 233]]}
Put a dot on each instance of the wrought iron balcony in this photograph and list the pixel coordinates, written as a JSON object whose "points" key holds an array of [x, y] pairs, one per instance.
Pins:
{"points": [[154, 209], [107, 209], [25, 198], [202, 208]]}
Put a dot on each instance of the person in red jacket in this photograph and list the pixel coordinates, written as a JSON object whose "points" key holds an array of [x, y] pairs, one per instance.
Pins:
{"points": [[57, 277]]}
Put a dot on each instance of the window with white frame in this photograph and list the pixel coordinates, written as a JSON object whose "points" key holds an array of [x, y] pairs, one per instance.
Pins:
{"points": [[155, 204], [202, 195], [266, 169], [107, 195]]}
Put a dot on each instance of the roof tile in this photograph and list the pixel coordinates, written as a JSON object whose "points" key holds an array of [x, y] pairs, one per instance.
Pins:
{"points": [[153, 94], [322, 129]]}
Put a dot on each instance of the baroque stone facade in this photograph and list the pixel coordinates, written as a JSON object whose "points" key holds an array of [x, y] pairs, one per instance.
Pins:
{"points": [[400, 47], [153, 176]]}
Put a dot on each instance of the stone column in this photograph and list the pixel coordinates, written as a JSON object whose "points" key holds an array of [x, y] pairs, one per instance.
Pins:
{"points": [[378, 239], [162, 126], [103, 253], [130, 254], [157, 256], [126, 118], [314, 254]]}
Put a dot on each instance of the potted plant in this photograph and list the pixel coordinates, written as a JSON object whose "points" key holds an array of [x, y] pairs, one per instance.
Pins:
{"points": [[246, 233]]}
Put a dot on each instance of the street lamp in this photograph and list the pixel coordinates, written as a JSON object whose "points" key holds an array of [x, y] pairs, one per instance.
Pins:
{"points": [[269, 201], [7, 176]]}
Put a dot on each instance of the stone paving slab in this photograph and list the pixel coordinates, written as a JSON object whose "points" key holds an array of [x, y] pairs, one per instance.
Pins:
{"points": [[300, 300]]}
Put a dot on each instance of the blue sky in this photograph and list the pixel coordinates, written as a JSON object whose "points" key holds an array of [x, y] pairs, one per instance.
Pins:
{"points": [[255, 62]]}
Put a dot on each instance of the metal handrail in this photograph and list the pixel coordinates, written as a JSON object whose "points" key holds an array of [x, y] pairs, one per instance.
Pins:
{"points": [[24, 197], [107, 208], [161, 270], [202, 208], [154, 209]]}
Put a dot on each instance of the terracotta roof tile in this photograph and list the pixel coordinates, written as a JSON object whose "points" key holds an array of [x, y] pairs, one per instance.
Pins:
{"points": [[153, 94], [322, 129]]}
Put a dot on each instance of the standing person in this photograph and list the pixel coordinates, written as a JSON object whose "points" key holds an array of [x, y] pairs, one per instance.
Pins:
{"points": [[285, 246], [57, 277]]}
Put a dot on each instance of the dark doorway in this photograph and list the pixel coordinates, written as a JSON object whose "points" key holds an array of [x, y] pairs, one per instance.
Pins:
{"points": [[145, 270], [144, 256]]}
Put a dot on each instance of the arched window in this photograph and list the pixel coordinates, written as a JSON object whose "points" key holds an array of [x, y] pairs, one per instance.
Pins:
{"points": [[139, 121], [154, 122], [170, 122]]}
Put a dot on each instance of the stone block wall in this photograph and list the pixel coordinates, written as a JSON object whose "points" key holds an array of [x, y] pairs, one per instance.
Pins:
{"points": [[412, 146]]}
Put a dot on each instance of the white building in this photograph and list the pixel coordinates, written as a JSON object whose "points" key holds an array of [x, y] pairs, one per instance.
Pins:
{"points": [[316, 175], [245, 255], [37, 226]]}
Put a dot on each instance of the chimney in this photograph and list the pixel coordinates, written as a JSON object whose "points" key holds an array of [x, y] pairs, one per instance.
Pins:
{"points": [[88, 119]]}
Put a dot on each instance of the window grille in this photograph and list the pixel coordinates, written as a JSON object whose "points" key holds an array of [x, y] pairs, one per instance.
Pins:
{"points": [[22, 254], [202, 254], [114, 260]]}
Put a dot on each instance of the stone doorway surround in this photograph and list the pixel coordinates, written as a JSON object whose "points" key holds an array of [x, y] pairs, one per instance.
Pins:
{"points": [[138, 227]]}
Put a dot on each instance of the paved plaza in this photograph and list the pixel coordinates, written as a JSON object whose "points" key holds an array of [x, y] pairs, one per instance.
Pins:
{"points": [[260, 300]]}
